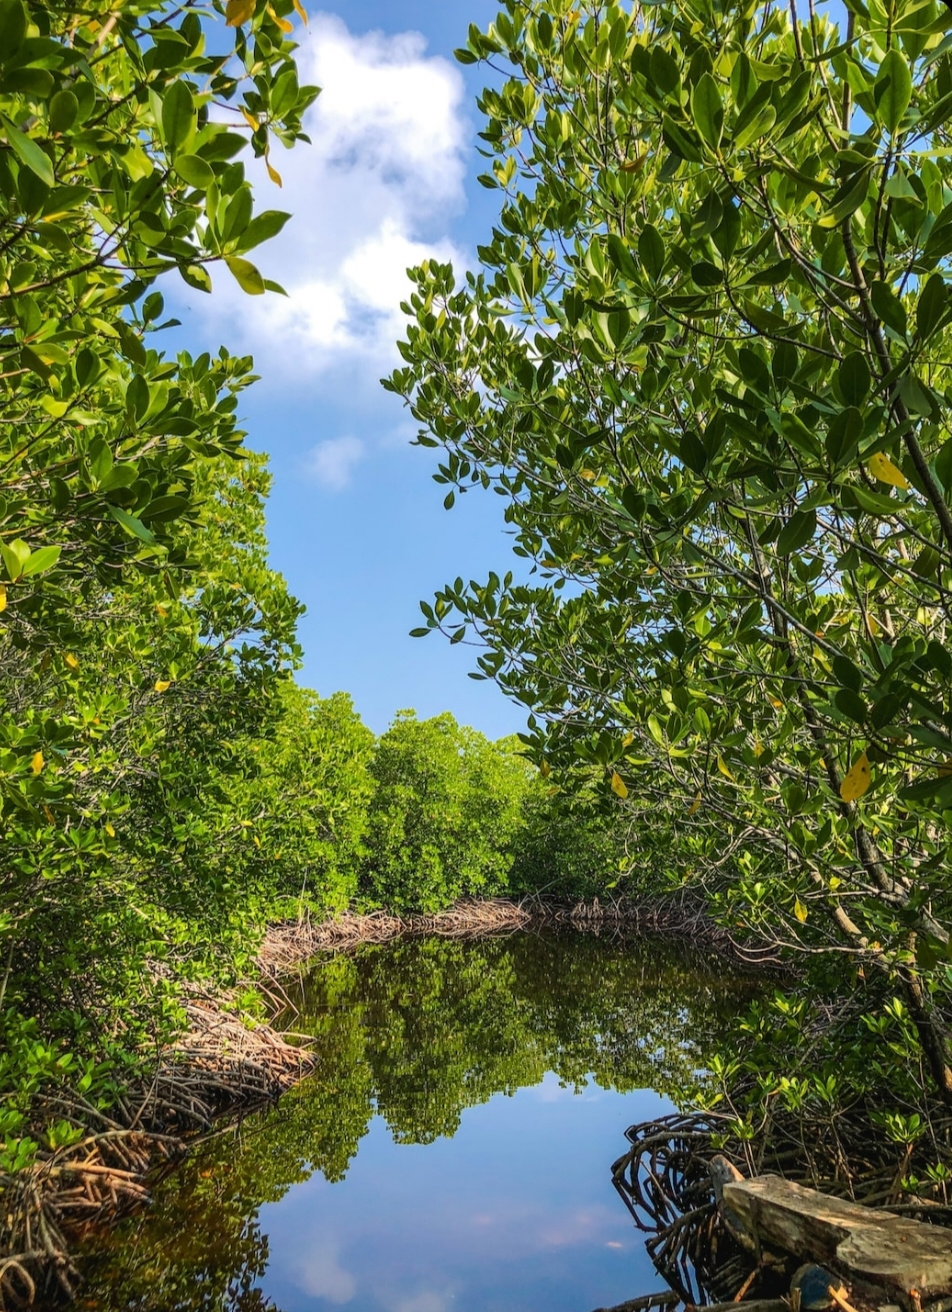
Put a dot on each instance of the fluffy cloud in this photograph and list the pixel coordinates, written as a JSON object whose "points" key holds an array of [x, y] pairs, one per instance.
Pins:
{"points": [[371, 197], [320, 1274], [331, 463]]}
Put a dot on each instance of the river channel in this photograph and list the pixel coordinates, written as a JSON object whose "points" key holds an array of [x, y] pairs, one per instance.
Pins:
{"points": [[452, 1150]]}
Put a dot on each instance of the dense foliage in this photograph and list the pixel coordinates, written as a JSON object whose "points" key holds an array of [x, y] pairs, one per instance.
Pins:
{"points": [[446, 810], [705, 361], [142, 637]]}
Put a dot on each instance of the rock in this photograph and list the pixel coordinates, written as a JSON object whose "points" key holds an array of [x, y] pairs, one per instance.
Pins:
{"points": [[810, 1289]]}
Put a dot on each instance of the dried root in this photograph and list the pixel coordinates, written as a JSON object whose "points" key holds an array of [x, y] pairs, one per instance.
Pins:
{"points": [[218, 1066], [295, 942], [667, 1183]]}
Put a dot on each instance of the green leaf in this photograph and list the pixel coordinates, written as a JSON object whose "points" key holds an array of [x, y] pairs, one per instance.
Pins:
{"points": [[28, 152], [707, 110], [797, 532], [13, 27], [888, 306], [100, 460], [757, 128], [63, 110], [15, 555], [851, 704], [178, 112], [854, 378], [680, 141], [246, 275], [195, 171], [892, 91], [932, 304], [621, 257], [726, 236], [197, 276], [164, 509], [937, 790], [132, 525], [663, 70], [263, 227], [847, 200], [651, 251], [41, 560]]}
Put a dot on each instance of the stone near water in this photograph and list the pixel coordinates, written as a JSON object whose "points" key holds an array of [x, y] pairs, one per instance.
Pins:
{"points": [[810, 1289]]}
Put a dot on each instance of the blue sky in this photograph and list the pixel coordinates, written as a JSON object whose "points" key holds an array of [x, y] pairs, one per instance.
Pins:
{"points": [[355, 522]]}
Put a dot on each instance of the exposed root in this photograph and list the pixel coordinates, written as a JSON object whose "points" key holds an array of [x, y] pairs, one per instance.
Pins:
{"points": [[290, 944], [667, 1184], [218, 1065]]}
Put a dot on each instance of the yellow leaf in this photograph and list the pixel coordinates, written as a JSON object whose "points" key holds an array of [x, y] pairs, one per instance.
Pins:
{"points": [[545, 769], [161, 610], [162, 685], [881, 467], [273, 173], [37, 762], [49, 814], [110, 831], [634, 165], [722, 766], [695, 805], [3, 597], [250, 119], [256, 840], [618, 785], [302, 11], [587, 474], [283, 23], [873, 625], [71, 661], [800, 911], [628, 739], [776, 703], [239, 11], [857, 781]]}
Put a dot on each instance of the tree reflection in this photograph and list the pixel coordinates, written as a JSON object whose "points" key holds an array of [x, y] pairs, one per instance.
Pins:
{"points": [[416, 1031]]}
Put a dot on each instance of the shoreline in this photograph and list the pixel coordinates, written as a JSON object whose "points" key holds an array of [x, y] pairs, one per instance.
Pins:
{"points": [[292, 943], [220, 1069]]}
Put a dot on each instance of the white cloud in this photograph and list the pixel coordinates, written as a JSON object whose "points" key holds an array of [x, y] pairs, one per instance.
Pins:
{"points": [[331, 463], [370, 197], [321, 1275]]}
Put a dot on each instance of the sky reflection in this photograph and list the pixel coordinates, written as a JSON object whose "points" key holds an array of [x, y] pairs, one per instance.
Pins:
{"points": [[516, 1211]]}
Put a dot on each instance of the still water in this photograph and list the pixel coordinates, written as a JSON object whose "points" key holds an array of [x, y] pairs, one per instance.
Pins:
{"points": [[451, 1152]]}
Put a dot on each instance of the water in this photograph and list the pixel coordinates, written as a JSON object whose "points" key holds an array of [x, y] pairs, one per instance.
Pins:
{"points": [[452, 1151]]}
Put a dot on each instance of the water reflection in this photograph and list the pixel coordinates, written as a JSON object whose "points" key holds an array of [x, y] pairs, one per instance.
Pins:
{"points": [[369, 1189]]}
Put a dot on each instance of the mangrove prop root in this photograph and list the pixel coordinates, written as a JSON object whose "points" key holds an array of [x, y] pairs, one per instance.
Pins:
{"points": [[290, 944], [218, 1066], [665, 1180]]}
